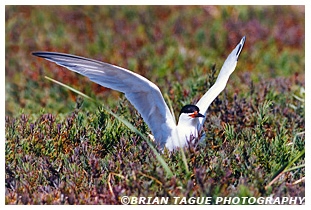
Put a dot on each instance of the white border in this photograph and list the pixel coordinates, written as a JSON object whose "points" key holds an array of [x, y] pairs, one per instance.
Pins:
{"points": [[160, 2]]}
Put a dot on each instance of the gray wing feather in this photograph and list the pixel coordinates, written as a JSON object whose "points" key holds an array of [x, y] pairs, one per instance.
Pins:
{"points": [[221, 81], [144, 95]]}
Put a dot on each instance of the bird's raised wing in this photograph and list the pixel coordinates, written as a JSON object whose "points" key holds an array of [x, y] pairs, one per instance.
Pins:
{"points": [[143, 94], [221, 81]]}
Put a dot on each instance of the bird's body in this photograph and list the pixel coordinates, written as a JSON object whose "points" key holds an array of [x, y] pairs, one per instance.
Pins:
{"points": [[146, 97]]}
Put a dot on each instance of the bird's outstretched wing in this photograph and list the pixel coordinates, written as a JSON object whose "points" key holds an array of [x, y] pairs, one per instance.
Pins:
{"points": [[143, 94], [221, 81]]}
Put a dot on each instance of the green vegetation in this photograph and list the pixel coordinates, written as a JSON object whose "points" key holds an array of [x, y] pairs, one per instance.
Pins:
{"points": [[62, 148]]}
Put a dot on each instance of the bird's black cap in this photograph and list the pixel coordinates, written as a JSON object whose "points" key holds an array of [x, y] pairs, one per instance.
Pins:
{"points": [[189, 109]]}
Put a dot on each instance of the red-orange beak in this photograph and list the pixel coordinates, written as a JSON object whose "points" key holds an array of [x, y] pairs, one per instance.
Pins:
{"points": [[196, 114]]}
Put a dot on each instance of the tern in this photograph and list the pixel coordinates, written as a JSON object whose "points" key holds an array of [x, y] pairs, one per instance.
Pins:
{"points": [[146, 97]]}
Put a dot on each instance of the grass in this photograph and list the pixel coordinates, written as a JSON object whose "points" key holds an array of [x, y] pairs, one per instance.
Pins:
{"points": [[62, 148]]}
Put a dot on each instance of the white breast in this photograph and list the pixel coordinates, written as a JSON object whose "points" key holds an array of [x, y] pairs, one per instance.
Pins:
{"points": [[186, 131]]}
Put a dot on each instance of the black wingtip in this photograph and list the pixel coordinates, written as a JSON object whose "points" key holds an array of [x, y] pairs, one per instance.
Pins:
{"points": [[46, 54], [240, 45], [38, 54]]}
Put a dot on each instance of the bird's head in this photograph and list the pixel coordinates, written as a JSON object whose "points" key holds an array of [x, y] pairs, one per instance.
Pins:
{"points": [[189, 114]]}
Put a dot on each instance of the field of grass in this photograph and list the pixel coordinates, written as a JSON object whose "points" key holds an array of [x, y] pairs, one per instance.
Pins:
{"points": [[61, 148]]}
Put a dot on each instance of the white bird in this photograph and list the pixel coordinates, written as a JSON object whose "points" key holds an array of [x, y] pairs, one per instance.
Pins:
{"points": [[146, 97]]}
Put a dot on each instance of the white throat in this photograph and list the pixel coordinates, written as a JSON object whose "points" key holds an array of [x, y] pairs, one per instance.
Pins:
{"points": [[186, 131]]}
